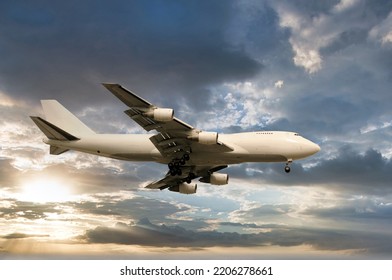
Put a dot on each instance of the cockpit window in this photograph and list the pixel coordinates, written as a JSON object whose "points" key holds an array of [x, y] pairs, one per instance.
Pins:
{"points": [[296, 134]]}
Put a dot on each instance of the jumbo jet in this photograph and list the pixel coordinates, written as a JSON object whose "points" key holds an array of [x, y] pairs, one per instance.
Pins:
{"points": [[189, 153]]}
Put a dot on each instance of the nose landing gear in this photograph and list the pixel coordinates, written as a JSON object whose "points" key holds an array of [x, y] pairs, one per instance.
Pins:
{"points": [[287, 168]]}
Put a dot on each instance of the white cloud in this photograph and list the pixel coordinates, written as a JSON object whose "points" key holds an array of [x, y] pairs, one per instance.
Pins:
{"points": [[345, 5], [254, 103], [311, 33], [373, 127], [5, 100], [383, 31], [310, 59], [279, 84]]}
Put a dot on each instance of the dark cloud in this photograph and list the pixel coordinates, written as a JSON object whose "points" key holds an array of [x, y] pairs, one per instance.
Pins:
{"points": [[147, 234], [135, 208], [379, 8], [364, 173], [346, 39], [321, 108], [28, 210], [350, 170], [362, 211], [18, 235], [155, 47]]}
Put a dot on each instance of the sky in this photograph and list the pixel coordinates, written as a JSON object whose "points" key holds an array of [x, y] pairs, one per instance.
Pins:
{"points": [[319, 68]]}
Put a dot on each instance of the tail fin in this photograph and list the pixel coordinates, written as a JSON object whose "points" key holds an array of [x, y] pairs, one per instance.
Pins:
{"points": [[57, 115], [60, 124]]}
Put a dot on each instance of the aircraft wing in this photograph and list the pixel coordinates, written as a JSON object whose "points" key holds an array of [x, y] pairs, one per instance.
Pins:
{"points": [[138, 107], [174, 135], [190, 172]]}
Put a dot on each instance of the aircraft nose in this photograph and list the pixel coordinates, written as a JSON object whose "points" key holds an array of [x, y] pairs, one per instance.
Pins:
{"points": [[309, 148], [313, 148]]}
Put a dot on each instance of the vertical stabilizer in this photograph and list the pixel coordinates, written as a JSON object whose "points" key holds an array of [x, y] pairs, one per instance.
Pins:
{"points": [[58, 115]]}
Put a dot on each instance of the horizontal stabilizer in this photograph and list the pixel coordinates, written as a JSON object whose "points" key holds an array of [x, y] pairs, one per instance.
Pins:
{"points": [[51, 131], [57, 150]]}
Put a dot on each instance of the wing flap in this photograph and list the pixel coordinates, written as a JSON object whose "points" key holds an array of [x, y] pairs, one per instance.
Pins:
{"points": [[167, 182], [168, 145], [173, 181]]}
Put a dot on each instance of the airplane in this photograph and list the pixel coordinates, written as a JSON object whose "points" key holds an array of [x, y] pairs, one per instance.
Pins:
{"points": [[189, 153]]}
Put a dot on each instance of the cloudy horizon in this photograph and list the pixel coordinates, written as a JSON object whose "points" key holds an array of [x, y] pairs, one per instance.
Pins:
{"points": [[321, 69]]}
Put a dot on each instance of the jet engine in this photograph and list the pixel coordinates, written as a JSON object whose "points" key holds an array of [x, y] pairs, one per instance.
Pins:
{"points": [[160, 114], [207, 138], [216, 179], [219, 179], [184, 188]]}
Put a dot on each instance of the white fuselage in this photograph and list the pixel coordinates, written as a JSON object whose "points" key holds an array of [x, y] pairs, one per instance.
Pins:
{"points": [[262, 146]]}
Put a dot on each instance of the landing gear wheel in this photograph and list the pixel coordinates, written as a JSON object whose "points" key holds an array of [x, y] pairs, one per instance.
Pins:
{"points": [[179, 172], [186, 157], [287, 169], [182, 161]]}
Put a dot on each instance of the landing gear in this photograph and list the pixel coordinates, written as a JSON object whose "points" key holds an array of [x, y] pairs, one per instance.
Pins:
{"points": [[175, 171], [190, 177], [175, 165], [287, 168]]}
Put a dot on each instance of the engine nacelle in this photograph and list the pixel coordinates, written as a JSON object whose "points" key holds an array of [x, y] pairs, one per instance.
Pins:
{"points": [[161, 114], [207, 138], [216, 179], [184, 188], [219, 179]]}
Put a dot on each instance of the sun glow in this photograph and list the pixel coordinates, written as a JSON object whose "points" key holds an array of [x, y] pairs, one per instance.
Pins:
{"points": [[45, 190]]}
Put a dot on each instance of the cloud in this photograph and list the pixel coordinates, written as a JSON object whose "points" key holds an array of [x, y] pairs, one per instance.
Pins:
{"points": [[279, 84], [361, 209], [347, 171], [27, 210], [383, 31], [8, 174], [345, 5], [17, 235], [147, 234], [314, 29], [182, 47], [364, 173], [135, 207]]}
